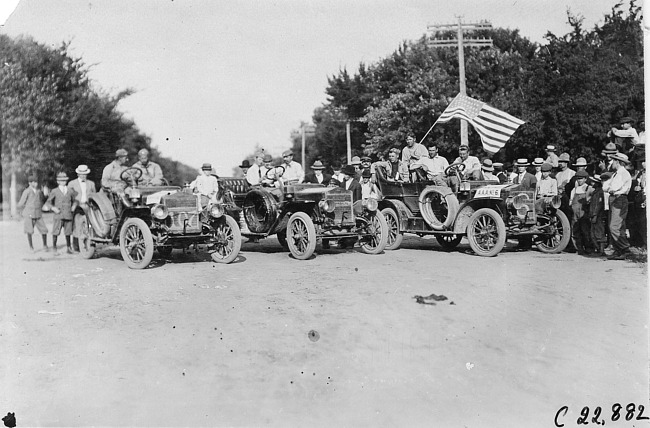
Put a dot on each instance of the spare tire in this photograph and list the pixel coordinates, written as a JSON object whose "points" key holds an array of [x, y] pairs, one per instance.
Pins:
{"points": [[260, 210], [100, 214], [439, 207]]}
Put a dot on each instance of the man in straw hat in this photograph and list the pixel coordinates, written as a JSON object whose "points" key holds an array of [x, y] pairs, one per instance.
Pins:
{"points": [[537, 164], [31, 204], [318, 174], [551, 157], [487, 171], [82, 188], [618, 186], [62, 201], [525, 179]]}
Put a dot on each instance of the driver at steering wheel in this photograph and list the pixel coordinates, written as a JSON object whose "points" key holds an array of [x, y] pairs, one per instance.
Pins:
{"points": [[111, 175]]}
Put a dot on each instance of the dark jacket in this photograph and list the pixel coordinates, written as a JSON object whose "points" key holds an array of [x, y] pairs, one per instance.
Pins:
{"points": [[311, 178], [529, 181], [355, 187], [31, 203]]}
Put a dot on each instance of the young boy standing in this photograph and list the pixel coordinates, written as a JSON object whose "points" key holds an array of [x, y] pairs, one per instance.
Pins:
{"points": [[63, 203], [31, 204]]}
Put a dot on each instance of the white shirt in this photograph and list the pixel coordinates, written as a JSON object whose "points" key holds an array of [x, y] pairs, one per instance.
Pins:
{"points": [[84, 197], [620, 183], [292, 172], [254, 174], [206, 185], [436, 165]]}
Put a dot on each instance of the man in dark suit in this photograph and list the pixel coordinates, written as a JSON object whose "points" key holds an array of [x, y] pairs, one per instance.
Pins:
{"points": [[525, 179], [351, 183], [318, 176]]}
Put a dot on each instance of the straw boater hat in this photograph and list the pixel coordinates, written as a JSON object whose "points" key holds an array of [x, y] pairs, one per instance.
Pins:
{"points": [[498, 165], [82, 169], [487, 165], [245, 164], [580, 162], [61, 176], [356, 160], [318, 165], [564, 157], [550, 148], [538, 161], [522, 162], [622, 157]]}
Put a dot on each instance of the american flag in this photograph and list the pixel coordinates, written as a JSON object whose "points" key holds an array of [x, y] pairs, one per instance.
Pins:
{"points": [[494, 126]]}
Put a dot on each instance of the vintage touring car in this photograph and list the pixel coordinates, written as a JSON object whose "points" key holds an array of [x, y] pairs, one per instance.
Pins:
{"points": [[300, 215], [161, 218], [486, 213]]}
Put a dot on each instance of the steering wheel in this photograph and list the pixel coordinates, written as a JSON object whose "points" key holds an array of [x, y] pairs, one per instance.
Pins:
{"points": [[131, 176], [455, 168], [275, 172]]}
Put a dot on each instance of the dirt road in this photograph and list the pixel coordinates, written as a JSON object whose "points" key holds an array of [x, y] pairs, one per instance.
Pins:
{"points": [[337, 340]]}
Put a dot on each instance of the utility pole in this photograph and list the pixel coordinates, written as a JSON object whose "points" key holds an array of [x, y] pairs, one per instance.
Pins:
{"points": [[460, 43]]}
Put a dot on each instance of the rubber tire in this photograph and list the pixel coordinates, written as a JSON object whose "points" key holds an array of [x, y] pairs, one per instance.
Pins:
{"points": [[564, 240], [395, 237], [165, 250], [232, 226], [447, 242], [490, 215], [308, 229], [86, 246], [139, 227], [282, 239], [97, 221], [427, 213], [383, 238]]}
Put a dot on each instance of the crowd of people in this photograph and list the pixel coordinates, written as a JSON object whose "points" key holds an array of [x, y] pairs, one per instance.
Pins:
{"points": [[603, 199]]}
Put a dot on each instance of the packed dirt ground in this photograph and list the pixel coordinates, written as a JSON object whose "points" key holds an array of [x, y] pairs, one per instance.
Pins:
{"points": [[337, 340]]}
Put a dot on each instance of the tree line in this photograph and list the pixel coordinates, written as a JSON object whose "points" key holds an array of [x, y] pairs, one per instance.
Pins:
{"points": [[54, 118], [570, 90]]}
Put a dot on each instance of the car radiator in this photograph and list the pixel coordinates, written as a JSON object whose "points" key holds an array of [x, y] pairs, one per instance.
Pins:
{"points": [[184, 213]]}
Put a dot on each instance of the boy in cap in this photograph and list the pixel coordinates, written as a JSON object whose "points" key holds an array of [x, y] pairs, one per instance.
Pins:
{"points": [[581, 224], [62, 201], [205, 184], [598, 216], [547, 186], [31, 204]]}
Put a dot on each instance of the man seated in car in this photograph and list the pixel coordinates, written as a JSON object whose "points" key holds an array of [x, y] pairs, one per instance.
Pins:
{"points": [[394, 169], [433, 167], [152, 174], [472, 164]]}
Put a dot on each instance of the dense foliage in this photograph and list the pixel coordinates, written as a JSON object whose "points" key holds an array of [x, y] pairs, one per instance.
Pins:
{"points": [[570, 91], [52, 118]]}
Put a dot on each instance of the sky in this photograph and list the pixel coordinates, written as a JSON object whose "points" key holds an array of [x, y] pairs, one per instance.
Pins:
{"points": [[216, 79]]}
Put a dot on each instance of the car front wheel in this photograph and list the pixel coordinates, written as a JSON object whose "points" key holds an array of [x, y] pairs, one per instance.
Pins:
{"points": [[395, 237], [136, 243], [486, 232], [377, 234], [228, 240], [301, 235], [559, 234]]}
